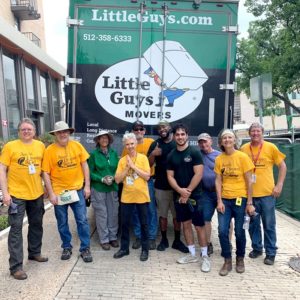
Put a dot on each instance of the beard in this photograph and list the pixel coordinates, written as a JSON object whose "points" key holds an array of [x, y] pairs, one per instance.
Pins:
{"points": [[166, 135]]}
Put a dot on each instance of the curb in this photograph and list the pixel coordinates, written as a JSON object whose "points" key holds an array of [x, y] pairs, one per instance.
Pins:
{"points": [[4, 233]]}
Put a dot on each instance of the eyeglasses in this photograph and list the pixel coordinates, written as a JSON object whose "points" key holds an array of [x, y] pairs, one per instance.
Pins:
{"points": [[139, 129], [25, 129]]}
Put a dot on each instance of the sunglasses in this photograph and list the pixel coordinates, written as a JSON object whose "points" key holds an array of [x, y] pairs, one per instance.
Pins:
{"points": [[139, 129]]}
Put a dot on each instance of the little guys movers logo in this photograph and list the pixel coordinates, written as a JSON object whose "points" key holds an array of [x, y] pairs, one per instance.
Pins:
{"points": [[180, 94]]}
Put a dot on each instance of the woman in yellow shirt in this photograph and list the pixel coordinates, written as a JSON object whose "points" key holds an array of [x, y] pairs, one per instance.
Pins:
{"points": [[133, 171], [234, 193]]}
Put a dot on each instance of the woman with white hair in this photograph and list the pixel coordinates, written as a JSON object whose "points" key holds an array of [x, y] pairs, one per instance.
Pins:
{"points": [[103, 164], [234, 194], [134, 172]]}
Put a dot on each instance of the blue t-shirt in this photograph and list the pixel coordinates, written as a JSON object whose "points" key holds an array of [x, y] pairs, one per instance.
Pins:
{"points": [[209, 176]]}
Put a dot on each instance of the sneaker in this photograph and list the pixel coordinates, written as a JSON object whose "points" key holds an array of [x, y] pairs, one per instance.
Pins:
{"points": [[255, 253], [210, 249], [66, 254], [152, 245], [205, 266], [163, 245], [86, 255], [180, 246], [188, 259], [136, 244], [269, 260]]}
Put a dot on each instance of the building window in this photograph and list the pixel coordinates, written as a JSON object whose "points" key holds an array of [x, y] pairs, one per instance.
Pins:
{"points": [[11, 93], [31, 99], [45, 104], [55, 100]]}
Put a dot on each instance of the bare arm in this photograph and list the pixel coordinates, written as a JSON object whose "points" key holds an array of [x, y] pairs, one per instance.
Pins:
{"points": [[249, 208], [52, 197], [156, 152], [198, 173], [3, 184], [87, 181], [281, 177], [183, 192], [218, 184], [119, 177]]}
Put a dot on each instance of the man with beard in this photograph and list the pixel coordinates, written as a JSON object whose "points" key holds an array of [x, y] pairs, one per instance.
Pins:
{"points": [[184, 171], [157, 155]]}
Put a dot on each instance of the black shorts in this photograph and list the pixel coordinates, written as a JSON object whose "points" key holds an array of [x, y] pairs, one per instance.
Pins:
{"points": [[186, 212]]}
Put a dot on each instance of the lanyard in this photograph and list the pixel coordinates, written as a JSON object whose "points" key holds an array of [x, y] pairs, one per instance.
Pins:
{"points": [[255, 159]]}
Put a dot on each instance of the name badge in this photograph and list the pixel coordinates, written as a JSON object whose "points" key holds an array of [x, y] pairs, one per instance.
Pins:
{"points": [[238, 201], [31, 169], [129, 180], [253, 178]]}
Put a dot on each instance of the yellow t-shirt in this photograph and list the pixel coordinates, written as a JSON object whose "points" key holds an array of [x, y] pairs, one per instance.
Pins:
{"points": [[232, 169], [138, 192], [64, 166], [143, 149], [18, 156], [268, 157]]}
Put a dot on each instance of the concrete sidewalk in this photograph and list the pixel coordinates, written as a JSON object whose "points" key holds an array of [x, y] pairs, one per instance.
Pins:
{"points": [[158, 278]]}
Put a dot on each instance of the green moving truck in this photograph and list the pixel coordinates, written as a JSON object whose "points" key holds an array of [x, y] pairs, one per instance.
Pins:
{"points": [[134, 60]]}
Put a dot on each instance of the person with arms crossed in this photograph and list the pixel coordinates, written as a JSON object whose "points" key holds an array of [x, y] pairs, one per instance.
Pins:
{"points": [[21, 185], [264, 156], [184, 171], [67, 178]]}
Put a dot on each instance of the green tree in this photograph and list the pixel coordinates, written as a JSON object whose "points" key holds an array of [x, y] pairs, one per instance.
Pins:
{"points": [[273, 46]]}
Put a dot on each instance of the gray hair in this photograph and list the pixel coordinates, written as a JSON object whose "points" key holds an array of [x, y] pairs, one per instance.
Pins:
{"points": [[128, 136], [231, 132], [256, 125], [28, 121]]}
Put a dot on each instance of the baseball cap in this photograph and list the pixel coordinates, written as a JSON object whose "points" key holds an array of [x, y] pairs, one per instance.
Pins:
{"points": [[204, 136], [137, 124], [163, 122]]}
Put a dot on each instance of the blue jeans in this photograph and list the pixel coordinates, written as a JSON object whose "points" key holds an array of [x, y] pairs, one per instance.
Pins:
{"points": [[265, 207], [83, 227], [152, 215], [237, 212], [208, 201]]}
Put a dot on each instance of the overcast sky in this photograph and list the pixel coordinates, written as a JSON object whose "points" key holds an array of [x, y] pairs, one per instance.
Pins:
{"points": [[57, 11]]}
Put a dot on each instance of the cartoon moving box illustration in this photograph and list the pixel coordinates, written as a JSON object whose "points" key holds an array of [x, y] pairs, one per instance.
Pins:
{"points": [[181, 70]]}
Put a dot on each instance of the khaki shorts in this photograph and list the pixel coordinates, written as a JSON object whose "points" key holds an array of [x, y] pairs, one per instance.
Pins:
{"points": [[165, 202]]}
